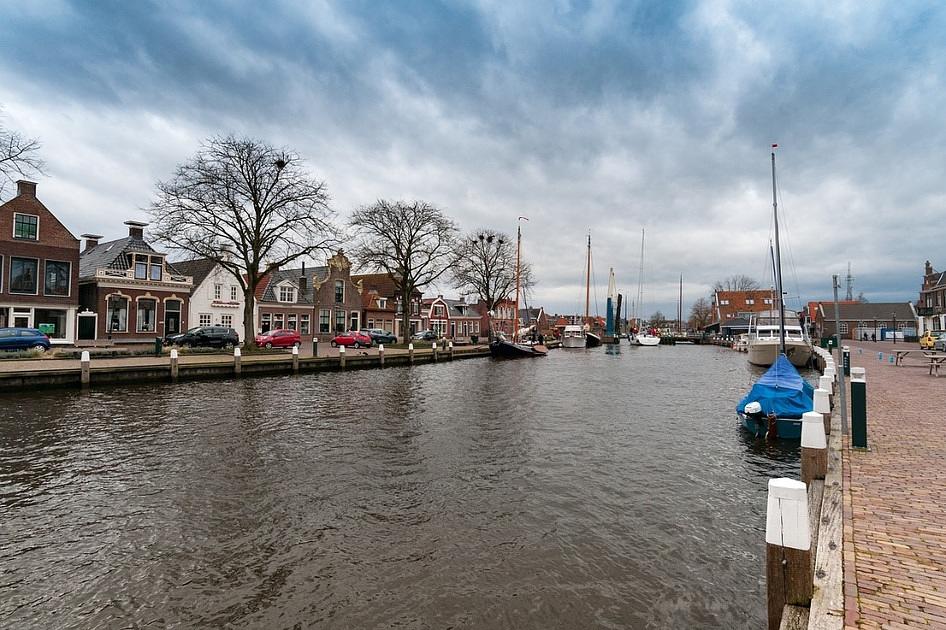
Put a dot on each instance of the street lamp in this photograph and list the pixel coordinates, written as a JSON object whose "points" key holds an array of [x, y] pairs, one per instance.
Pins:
{"points": [[895, 328]]}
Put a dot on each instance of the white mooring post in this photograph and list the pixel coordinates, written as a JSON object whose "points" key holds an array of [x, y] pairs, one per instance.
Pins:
{"points": [[341, 356], [814, 447], [434, 347], [381, 354], [410, 353], [295, 359], [824, 382], [823, 406], [787, 549], [86, 363], [173, 364], [450, 349], [831, 374], [237, 359]]}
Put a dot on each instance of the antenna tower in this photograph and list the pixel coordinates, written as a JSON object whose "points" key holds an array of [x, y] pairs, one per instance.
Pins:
{"points": [[850, 284]]}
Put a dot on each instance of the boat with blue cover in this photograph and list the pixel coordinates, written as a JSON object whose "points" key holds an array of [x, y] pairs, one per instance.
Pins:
{"points": [[777, 401]]}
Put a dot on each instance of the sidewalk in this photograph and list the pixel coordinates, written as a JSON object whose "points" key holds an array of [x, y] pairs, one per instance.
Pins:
{"points": [[895, 496]]}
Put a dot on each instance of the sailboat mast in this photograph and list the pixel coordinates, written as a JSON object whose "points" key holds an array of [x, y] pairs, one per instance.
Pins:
{"points": [[778, 262], [680, 327], [640, 284], [588, 283], [515, 317]]}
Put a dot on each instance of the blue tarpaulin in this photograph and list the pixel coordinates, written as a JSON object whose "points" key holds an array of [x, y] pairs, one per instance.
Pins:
{"points": [[781, 390]]}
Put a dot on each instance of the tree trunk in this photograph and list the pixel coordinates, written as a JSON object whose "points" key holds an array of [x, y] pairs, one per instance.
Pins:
{"points": [[249, 325], [406, 313]]}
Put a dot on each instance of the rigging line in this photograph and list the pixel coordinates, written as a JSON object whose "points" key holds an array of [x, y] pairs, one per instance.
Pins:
{"points": [[594, 283], [791, 254]]}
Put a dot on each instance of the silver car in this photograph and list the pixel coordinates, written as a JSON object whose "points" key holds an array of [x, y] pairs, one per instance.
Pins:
{"points": [[940, 343]]}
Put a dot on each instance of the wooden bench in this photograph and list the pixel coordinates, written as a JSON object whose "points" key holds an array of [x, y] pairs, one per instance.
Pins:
{"points": [[936, 359], [899, 354]]}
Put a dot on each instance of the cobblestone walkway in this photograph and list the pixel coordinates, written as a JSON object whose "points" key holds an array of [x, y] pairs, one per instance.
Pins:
{"points": [[895, 498]]}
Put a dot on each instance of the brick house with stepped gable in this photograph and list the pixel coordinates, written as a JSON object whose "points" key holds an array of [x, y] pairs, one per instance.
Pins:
{"points": [[39, 268], [931, 307], [453, 319], [128, 291], [381, 302], [318, 301]]}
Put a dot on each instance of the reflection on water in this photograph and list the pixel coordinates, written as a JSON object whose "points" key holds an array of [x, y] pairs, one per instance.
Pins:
{"points": [[592, 488]]}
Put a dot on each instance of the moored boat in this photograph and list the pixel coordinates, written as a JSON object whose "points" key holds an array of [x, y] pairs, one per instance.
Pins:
{"points": [[776, 402], [573, 337], [504, 349], [763, 345]]}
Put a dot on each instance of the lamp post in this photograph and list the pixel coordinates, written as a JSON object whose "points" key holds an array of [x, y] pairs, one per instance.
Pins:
{"points": [[895, 328]]}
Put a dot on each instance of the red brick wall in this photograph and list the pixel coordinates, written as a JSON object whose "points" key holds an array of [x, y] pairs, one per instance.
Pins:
{"points": [[101, 307]]}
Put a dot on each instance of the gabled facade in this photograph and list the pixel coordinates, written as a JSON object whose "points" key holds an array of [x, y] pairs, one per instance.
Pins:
{"points": [[862, 319], [381, 302], [501, 320], [535, 317], [931, 307], [128, 291], [319, 301], [216, 298], [452, 319], [39, 268], [732, 304]]}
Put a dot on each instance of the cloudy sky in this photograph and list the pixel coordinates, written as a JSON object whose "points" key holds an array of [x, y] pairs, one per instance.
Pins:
{"points": [[601, 116]]}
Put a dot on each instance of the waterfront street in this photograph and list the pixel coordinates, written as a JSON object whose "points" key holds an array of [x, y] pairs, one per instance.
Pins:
{"points": [[894, 531]]}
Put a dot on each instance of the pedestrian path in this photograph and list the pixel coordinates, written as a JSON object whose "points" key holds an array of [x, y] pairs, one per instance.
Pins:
{"points": [[895, 497]]}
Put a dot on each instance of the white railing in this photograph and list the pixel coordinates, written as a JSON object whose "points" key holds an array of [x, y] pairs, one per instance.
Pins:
{"points": [[129, 274]]}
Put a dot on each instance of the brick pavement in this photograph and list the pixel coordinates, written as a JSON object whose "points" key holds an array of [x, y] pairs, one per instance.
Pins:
{"points": [[895, 497]]}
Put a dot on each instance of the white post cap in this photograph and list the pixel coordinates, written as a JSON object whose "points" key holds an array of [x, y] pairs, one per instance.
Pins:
{"points": [[786, 517], [822, 401], [450, 344], [380, 347], [315, 339], [85, 356], [173, 353], [812, 430], [831, 373], [341, 349], [295, 351], [824, 382], [859, 374], [434, 345], [410, 346], [236, 352]]}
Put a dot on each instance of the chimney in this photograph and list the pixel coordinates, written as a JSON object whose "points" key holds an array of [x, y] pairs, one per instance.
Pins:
{"points": [[91, 240], [302, 281], [136, 229], [929, 267], [26, 188]]}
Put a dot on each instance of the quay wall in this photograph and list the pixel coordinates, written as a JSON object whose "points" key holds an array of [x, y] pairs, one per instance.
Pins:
{"points": [[160, 370]]}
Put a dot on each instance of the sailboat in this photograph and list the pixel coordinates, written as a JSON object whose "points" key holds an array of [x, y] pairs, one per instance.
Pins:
{"points": [[516, 348], [642, 337], [580, 336], [767, 341]]}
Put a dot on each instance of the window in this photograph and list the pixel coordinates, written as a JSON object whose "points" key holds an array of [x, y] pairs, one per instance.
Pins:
{"points": [[370, 324], [766, 300], [415, 307], [204, 319], [304, 324], [287, 294], [438, 310], [382, 303], [23, 275], [843, 328], [157, 268], [291, 321], [57, 278], [265, 322], [339, 321], [117, 314], [227, 320], [324, 320], [147, 315], [51, 322], [217, 289], [277, 320], [750, 301], [355, 320], [339, 293], [141, 267], [173, 306], [25, 226], [233, 293], [724, 302]]}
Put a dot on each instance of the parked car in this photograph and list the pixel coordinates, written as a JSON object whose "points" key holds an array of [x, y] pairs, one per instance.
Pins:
{"points": [[279, 338], [23, 339], [425, 335], [205, 337], [927, 340], [379, 336], [940, 343], [351, 338]]}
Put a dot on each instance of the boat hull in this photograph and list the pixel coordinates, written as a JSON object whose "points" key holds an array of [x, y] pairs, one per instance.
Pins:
{"points": [[592, 340], [786, 428], [509, 350], [573, 342], [645, 340], [764, 353]]}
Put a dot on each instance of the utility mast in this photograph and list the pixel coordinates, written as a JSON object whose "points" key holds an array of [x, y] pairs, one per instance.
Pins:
{"points": [[850, 284]]}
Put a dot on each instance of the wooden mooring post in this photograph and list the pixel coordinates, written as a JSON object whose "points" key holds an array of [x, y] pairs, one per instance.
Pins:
{"points": [[174, 364], [295, 359], [822, 402], [434, 348], [381, 354], [450, 350], [237, 355], [814, 447], [86, 374], [788, 566], [410, 353], [341, 357]]}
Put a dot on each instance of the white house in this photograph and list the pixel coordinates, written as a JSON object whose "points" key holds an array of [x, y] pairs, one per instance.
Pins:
{"points": [[217, 297]]}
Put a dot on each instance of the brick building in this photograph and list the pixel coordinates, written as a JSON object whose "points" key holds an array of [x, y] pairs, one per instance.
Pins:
{"points": [[128, 291], [381, 302], [453, 319], [931, 307], [39, 268], [732, 304], [873, 318]]}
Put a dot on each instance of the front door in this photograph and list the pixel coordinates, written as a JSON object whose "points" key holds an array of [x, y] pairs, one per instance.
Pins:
{"points": [[453, 330], [172, 322], [21, 321], [86, 327]]}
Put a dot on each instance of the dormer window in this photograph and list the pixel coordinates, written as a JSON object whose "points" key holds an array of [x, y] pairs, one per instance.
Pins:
{"points": [[287, 294], [25, 226], [157, 268], [141, 267], [382, 303]]}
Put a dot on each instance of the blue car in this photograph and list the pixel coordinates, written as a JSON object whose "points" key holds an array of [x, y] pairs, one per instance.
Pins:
{"points": [[23, 339]]}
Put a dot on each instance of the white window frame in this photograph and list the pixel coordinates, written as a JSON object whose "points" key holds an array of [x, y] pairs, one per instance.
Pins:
{"points": [[304, 328], [383, 303], [138, 301], [843, 328], [1, 273], [226, 320], [327, 313], [339, 284], [205, 319], [233, 293], [69, 276], [10, 287], [287, 294], [724, 302], [750, 301], [292, 321], [13, 227], [218, 290]]}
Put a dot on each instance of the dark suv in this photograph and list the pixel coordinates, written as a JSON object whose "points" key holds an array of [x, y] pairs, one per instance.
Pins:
{"points": [[206, 336], [378, 335]]}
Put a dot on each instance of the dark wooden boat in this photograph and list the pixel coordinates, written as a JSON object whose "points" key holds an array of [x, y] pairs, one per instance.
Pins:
{"points": [[592, 340], [503, 349]]}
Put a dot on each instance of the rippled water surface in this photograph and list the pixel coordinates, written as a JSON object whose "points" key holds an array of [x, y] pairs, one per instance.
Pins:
{"points": [[586, 489]]}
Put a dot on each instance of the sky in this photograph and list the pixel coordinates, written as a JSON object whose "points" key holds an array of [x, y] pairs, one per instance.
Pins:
{"points": [[585, 116]]}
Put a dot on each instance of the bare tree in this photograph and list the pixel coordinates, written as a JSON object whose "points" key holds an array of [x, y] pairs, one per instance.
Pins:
{"points": [[19, 156], [737, 282], [701, 314], [412, 241], [484, 265], [658, 320], [246, 205]]}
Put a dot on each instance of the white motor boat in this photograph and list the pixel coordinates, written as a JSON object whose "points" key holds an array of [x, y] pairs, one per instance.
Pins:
{"points": [[573, 337], [764, 345]]}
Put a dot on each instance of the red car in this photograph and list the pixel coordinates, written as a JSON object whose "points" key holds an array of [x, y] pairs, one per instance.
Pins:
{"points": [[279, 338], [351, 338]]}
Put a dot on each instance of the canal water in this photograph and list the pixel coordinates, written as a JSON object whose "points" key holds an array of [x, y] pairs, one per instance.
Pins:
{"points": [[588, 489]]}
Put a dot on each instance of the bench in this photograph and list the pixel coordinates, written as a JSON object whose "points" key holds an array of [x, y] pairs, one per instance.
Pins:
{"points": [[900, 354], [936, 359]]}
